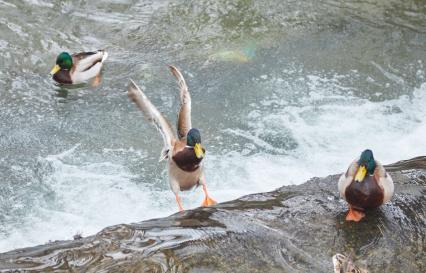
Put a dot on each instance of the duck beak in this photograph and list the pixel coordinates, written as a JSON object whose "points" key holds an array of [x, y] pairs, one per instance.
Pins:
{"points": [[360, 174], [198, 149], [55, 69]]}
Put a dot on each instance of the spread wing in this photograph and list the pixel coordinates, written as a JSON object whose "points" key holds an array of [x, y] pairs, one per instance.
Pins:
{"points": [[152, 114], [184, 116]]}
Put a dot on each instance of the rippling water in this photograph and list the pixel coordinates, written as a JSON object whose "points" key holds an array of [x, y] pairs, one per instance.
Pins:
{"points": [[282, 91]]}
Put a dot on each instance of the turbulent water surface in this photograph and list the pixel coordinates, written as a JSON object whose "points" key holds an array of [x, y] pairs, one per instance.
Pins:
{"points": [[295, 228], [282, 91]]}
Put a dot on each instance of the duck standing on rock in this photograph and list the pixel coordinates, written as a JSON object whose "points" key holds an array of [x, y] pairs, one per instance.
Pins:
{"points": [[365, 185], [184, 153], [79, 67]]}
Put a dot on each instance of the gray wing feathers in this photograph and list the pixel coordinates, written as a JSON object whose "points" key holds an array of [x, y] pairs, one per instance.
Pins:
{"points": [[87, 61], [385, 181], [86, 75], [152, 114], [380, 170], [351, 172], [184, 117], [346, 178], [88, 65]]}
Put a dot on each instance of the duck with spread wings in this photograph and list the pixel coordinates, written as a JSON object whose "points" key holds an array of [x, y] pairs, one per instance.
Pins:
{"points": [[184, 153]]}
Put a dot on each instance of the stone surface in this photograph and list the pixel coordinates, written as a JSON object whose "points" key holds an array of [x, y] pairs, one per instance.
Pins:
{"points": [[293, 229]]}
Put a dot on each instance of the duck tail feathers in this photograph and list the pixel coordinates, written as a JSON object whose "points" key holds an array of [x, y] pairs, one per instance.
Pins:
{"points": [[104, 56]]}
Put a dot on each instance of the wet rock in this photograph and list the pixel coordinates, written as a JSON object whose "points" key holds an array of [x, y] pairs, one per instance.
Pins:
{"points": [[77, 236], [293, 229]]}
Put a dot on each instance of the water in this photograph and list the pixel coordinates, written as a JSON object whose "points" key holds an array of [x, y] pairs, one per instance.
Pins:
{"points": [[282, 92]]}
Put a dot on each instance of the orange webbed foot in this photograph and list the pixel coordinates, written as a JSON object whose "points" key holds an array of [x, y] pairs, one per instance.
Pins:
{"points": [[208, 202], [96, 81], [354, 215]]}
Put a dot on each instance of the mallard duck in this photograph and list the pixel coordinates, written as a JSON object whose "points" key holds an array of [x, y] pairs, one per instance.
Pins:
{"points": [[79, 67], [184, 152], [365, 185], [344, 264]]}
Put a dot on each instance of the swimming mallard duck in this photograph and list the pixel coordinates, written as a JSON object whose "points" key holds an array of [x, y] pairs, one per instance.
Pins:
{"points": [[365, 185], [184, 153], [79, 67], [344, 264]]}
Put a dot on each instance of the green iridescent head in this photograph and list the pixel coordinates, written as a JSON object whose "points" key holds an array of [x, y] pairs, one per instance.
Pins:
{"points": [[63, 61], [367, 160], [193, 139], [366, 165]]}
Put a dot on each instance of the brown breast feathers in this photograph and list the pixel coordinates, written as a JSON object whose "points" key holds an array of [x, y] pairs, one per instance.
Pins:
{"points": [[366, 194], [186, 160], [62, 76]]}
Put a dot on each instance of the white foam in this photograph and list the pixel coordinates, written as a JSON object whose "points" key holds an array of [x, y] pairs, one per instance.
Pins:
{"points": [[329, 136], [88, 197], [330, 127]]}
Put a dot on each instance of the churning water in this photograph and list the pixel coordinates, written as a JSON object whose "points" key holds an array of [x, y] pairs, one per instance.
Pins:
{"points": [[282, 91]]}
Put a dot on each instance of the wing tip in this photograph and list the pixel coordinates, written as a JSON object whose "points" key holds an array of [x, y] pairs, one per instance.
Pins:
{"points": [[104, 56], [132, 85], [175, 71], [132, 89], [178, 75]]}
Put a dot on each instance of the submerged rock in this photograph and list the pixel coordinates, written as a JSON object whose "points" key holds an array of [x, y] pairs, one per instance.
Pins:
{"points": [[292, 229]]}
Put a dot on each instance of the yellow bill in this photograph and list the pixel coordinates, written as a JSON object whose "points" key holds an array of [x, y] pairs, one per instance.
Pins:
{"points": [[198, 149], [55, 69], [360, 174]]}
